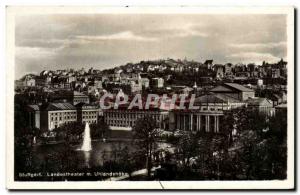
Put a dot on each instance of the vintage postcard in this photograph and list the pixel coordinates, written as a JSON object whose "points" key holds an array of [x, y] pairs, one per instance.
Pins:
{"points": [[150, 97]]}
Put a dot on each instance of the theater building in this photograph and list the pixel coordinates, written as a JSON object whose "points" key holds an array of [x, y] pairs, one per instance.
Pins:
{"points": [[234, 90], [209, 115]]}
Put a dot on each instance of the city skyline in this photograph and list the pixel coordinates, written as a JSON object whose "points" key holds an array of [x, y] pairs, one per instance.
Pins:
{"points": [[77, 41]]}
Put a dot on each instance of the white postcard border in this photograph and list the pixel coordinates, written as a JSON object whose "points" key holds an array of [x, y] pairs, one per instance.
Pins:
{"points": [[10, 55]]}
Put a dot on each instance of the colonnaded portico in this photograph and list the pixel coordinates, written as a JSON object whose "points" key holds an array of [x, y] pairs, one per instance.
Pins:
{"points": [[201, 121]]}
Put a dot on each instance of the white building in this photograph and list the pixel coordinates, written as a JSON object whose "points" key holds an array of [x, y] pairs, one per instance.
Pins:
{"points": [[157, 82]]}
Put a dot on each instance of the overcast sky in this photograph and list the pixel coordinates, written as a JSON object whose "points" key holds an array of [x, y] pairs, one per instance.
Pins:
{"points": [[46, 42]]}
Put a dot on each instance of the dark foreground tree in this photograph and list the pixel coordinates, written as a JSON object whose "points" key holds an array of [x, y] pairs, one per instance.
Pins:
{"points": [[145, 136]]}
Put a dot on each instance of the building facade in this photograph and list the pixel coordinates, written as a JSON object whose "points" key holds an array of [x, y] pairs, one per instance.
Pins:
{"points": [[34, 116], [87, 113], [234, 90], [54, 115], [49, 116], [208, 116], [80, 98], [263, 105], [125, 119], [157, 82]]}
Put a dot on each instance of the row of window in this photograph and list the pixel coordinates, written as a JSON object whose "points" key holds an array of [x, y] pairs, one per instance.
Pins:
{"points": [[135, 117], [60, 118], [86, 117], [81, 99], [62, 113], [129, 115], [89, 112], [121, 123], [213, 108], [55, 124], [90, 121]]}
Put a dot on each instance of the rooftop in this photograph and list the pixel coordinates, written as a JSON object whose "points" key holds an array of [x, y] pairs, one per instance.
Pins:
{"points": [[57, 106], [34, 107], [76, 93], [216, 98], [238, 87], [259, 102], [228, 87]]}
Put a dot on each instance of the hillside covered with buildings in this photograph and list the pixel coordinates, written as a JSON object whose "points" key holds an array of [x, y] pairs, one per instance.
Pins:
{"points": [[52, 107]]}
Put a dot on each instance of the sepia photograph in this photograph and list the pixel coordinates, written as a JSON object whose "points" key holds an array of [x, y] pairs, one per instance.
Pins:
{"points": [[150, 98]]}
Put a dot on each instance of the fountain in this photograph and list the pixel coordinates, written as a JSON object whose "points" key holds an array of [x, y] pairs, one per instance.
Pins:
{"points": [[34, 140], [86, 144]]}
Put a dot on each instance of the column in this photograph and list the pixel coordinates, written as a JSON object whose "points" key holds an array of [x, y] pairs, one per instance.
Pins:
{"points": [[181, 122], [178, 121], [207, 123], [215, 122], [199, 117], [191, 123], [184, 122], [199, 122]]}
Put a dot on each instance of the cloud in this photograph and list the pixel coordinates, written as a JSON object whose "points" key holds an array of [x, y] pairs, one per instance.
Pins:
{"points": [[41, 43], [255, 57], [269, 45], [121, 36], [108, 40], [178, 30], [190, 32], [34, 52]]}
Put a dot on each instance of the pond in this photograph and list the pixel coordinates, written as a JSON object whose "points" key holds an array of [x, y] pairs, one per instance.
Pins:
{"points": [[71, 156], [60, 158]]}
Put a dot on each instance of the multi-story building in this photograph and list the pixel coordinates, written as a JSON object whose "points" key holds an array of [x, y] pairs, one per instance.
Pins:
{"points": [[219, 69], [98, 84], [34, 116], [135, 85], [208, 64], [73, 97], [209, 115], [228, 69], [144, 81], [30, 82], [157, 82], [80, 97], [87, 113], [262, 105], [275, 73], [125, 119], [49, 116], [54, 115], [26, 81], [234, 90]]}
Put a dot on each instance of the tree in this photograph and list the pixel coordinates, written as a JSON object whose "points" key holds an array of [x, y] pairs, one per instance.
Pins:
{"points": [[127, 161], [260, 147], [69, 130], [145, 136], [241, 119], [187, 148], [99, 130]]}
